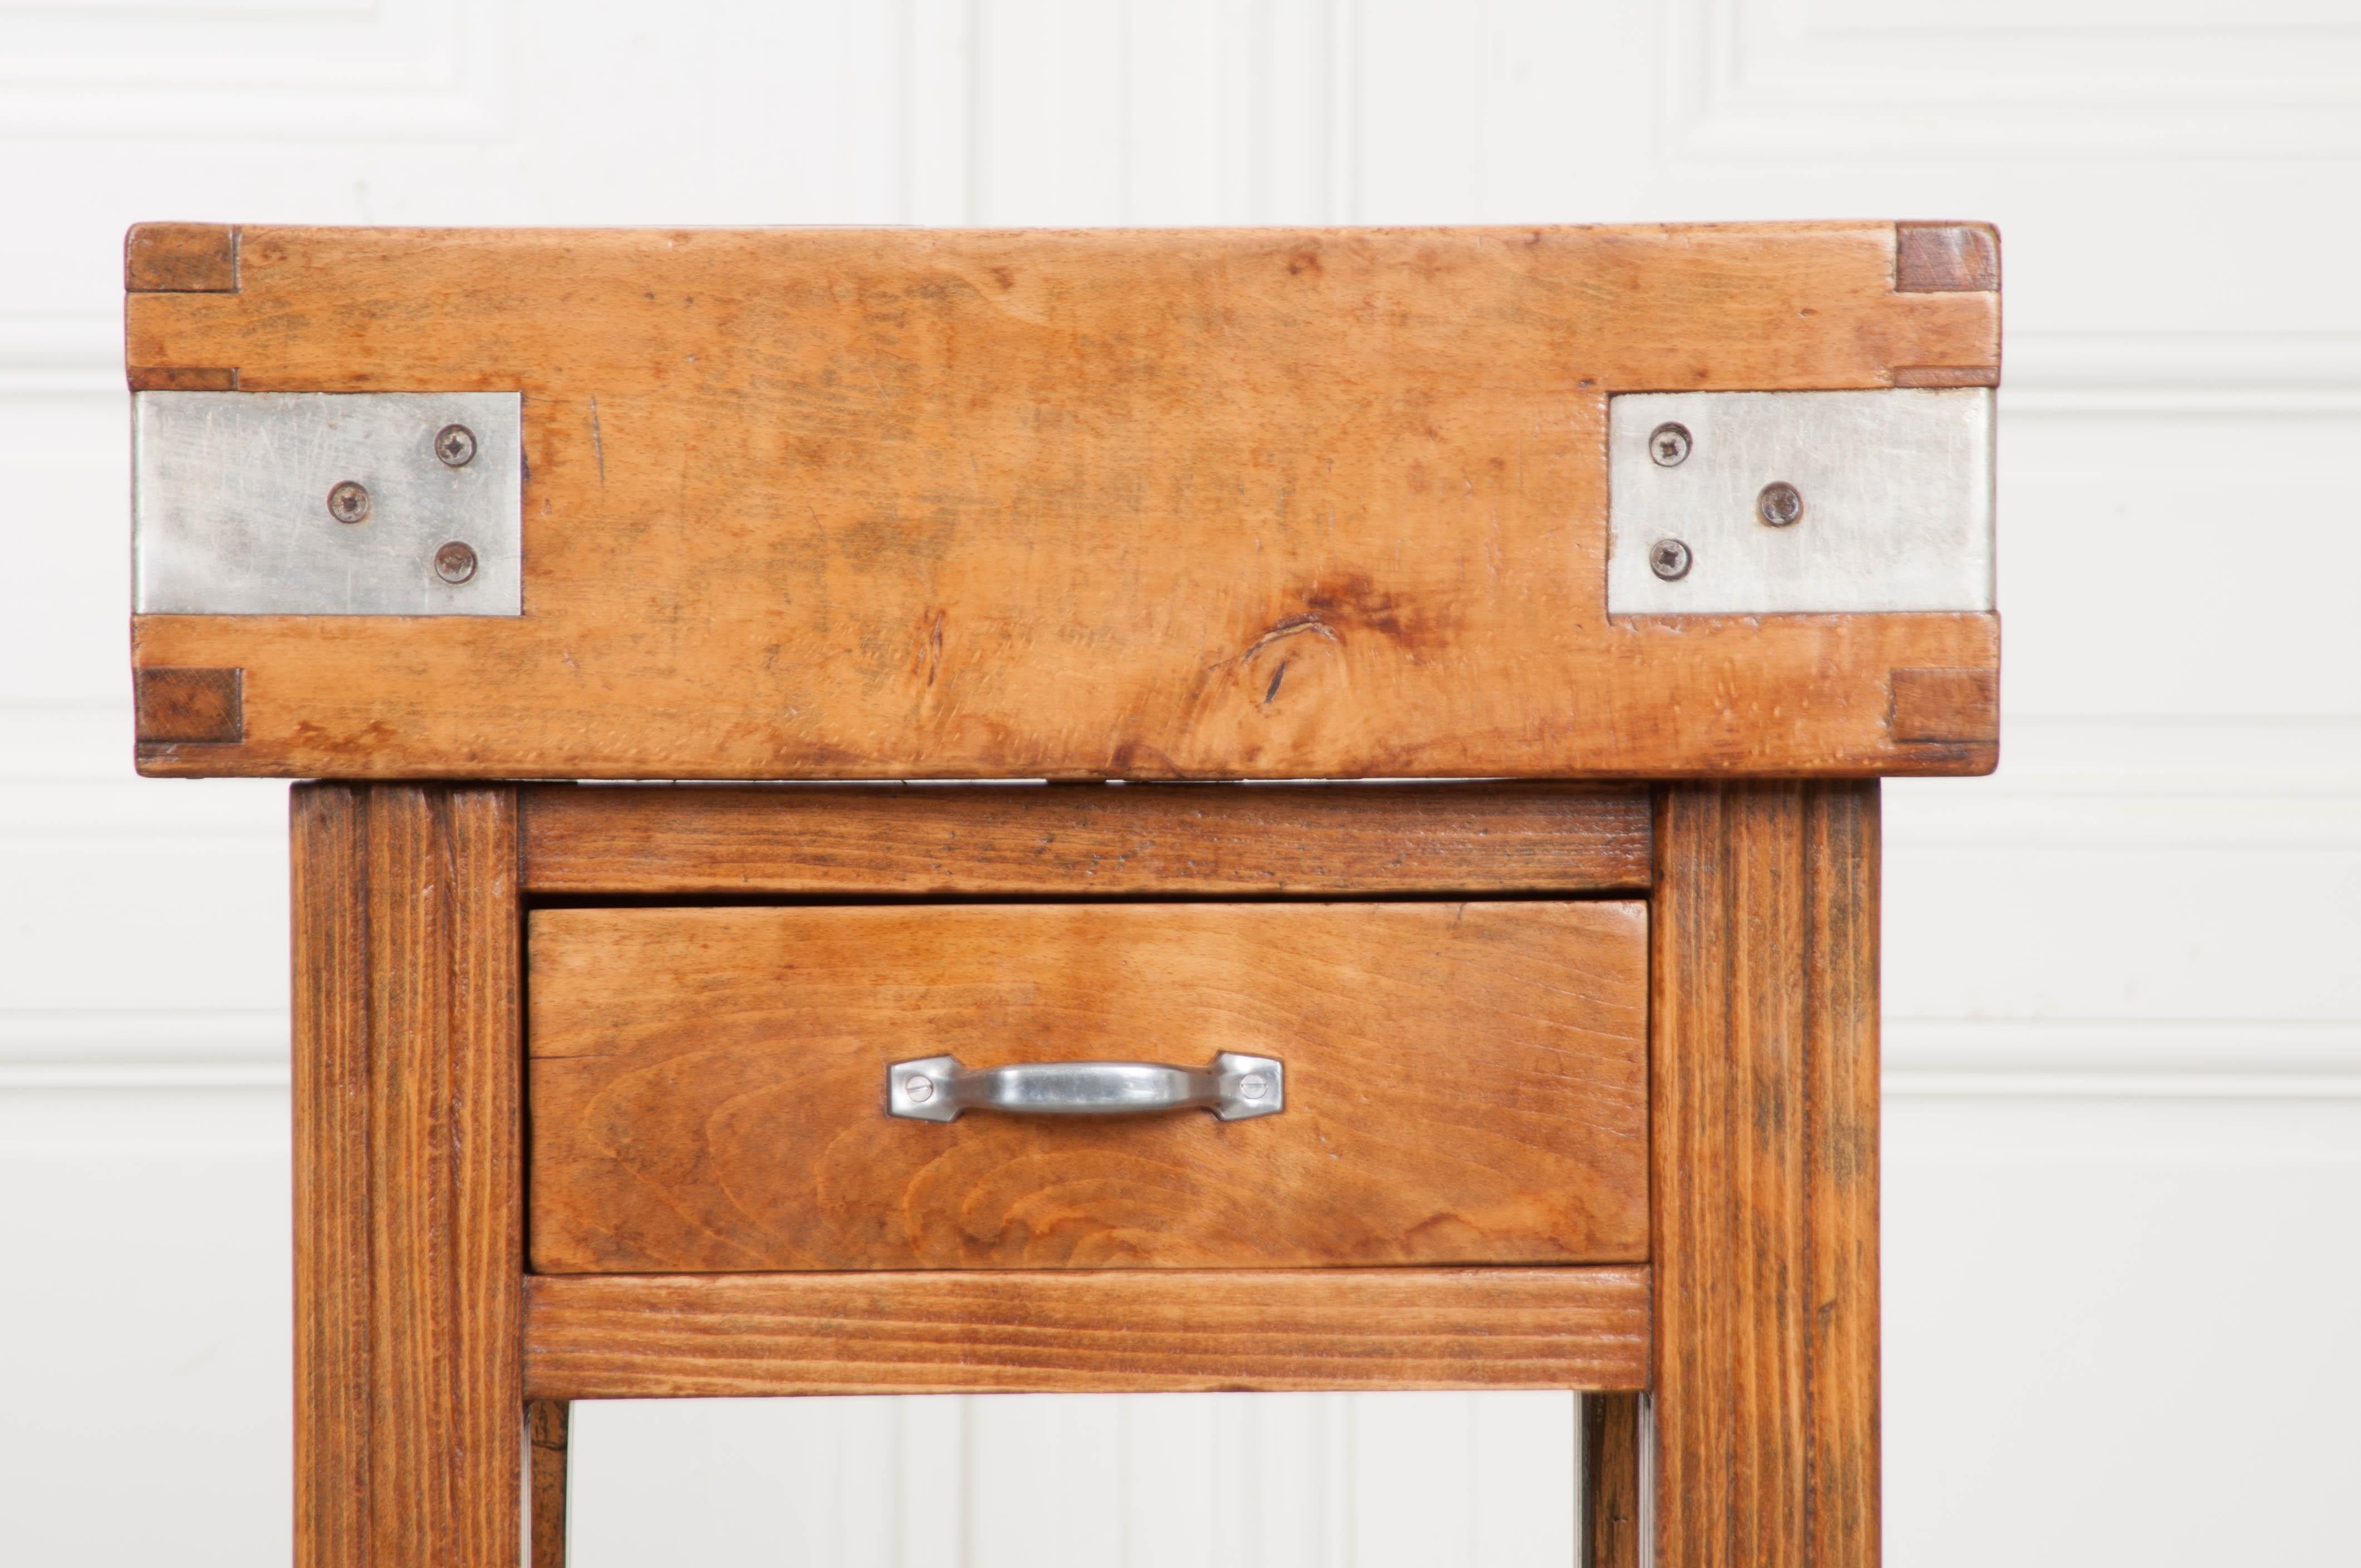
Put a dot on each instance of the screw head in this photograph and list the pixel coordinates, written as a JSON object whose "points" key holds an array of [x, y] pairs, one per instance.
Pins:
{"points": [[348, 501], [456, 445], [1780, 503], [1668, 445], [919, 1090], [1254, 1086], [1669, 559], [455, 562]]}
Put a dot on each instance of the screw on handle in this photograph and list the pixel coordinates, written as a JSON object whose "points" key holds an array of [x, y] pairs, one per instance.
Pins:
{"points": [[1235, 1088]]}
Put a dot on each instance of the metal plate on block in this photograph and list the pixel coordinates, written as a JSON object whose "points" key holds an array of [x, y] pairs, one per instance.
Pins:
{"points": [[327, 503], [1763, 503]]}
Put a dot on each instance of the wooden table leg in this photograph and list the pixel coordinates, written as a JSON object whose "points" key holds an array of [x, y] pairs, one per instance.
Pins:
{"points": [[546, 1420], [408, 1177], [1610, 1447], [1764, 1088]]}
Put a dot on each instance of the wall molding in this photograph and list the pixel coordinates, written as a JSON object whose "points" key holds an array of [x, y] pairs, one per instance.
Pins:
{"points": [[143, 1048], [1248, 112], [2198, 1087], [1767, 80], [2170, 372], [2265, 1045], [317, 69], [2125, 782], [46, 353], [194, 1077]]}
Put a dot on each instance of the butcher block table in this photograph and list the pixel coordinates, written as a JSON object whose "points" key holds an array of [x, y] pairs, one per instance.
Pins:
{"points": [[912, 811]]}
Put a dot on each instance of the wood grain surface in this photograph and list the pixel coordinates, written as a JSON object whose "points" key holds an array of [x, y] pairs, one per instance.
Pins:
{"points": [[1954, 706], [193, 707], [620, 1337], [1190, 839], [180, 258], [1765, 1087], [1465, 1083], [1841, 1349], [548, 1422], [407, 1167], [1074, 504], [1947, 374], [1943, 256], [1611, 1516], [181, 379]]}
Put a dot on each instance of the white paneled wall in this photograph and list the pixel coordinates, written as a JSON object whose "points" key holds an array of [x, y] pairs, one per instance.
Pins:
{"points": [[1175, 1481], [2123, 977]]}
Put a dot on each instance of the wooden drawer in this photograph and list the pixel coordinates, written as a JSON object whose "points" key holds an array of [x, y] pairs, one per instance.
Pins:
{"points": [[1467, 1083]]}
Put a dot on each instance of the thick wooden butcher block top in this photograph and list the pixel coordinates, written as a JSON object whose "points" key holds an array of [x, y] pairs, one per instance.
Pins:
{"points": [[910, 503]]}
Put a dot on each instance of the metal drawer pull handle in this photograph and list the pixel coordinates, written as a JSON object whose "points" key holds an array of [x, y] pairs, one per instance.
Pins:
{"points": [[936, 1089]]}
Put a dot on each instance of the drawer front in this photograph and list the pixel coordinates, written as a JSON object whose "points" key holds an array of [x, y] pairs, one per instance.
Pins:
{"points": [[1464, 1083]]}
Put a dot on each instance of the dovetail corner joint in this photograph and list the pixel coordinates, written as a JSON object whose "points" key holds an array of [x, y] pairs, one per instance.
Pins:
{"points": [[1957, 707], [1946, 259], [181, 378], [189, 706], [181, 258], [1947, 374]]}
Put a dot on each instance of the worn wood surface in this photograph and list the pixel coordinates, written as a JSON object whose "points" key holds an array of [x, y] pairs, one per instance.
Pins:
{"points": [[1465, 1083], [191, 706], [1610, 1481], [1949, 258], [1145, 504], [609, 1337], [546, 1425], [1940, 257], [181, 379], [1955, 707], [407, 1165], [1947, 374], [180, 258], [1842, 853], [1764, 1085], [1140, 840]]}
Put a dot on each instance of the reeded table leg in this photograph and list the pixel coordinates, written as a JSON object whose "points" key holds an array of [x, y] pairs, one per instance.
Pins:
{"points": [[408, 1387], [1764, 1133]]}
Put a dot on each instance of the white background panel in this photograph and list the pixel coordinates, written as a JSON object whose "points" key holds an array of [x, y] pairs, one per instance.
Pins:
{"points": [[2120, 1330], [2124, 1006], [148, 1334], [1161, 1481]]}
